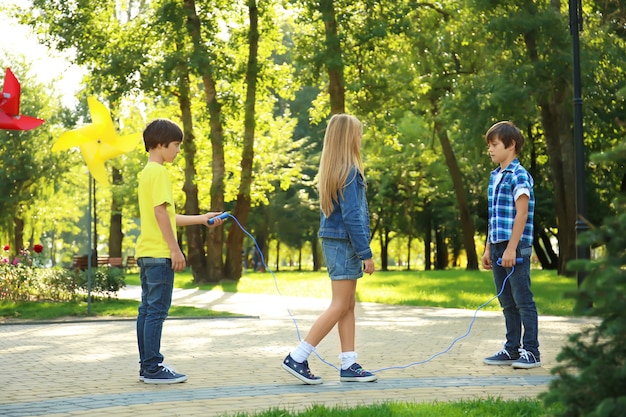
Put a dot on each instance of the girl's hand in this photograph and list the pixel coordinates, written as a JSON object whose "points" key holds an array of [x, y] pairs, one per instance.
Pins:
{"points": [[368, 266]]}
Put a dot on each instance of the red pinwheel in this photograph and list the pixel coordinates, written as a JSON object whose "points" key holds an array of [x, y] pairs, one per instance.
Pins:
{"points": [[10, 118]]}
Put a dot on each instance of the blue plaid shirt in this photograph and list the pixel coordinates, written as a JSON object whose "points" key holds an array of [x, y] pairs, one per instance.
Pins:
{"points": [[502, 194]]}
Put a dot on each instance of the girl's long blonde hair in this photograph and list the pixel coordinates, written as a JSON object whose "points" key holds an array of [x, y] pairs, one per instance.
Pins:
{"points": [[341, 152]]}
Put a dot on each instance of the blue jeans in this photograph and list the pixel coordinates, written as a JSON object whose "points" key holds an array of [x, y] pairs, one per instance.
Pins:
{"points": [[516, 300], [157, 284]]}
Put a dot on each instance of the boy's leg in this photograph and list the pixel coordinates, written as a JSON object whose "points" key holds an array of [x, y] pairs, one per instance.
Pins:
{"points": [[520, 286], [512, 318], [159, 284], [141, 314]]}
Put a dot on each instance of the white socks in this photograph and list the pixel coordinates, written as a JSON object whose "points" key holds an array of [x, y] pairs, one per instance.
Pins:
{"points": [[302, 352], [347, 359]]}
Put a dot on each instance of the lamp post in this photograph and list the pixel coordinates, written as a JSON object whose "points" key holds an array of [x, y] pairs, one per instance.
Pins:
{"points": [[575, 25]]}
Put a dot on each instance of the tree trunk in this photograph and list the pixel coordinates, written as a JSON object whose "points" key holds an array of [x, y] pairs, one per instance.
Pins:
{"points": [[333, 59], [384, 250], [116, 236], [408, 253], [277, 255], [234, 245], [441, 254], [215, 236], [467, 226], [428, 238], [18, 234], [315, 253], [195, 247], [560, 150], [543, 249], [556, 120]]}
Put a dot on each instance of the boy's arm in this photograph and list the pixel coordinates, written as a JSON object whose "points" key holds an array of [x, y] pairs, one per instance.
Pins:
{"points": [[163, 220], [188, 220], [521, 215]]}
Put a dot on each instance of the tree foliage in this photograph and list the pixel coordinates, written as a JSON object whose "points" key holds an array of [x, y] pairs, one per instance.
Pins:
{"points": [[427, 80], [591, 380]]}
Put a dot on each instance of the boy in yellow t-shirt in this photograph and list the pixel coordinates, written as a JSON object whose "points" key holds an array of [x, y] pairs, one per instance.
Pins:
{"points": [[157, 251]]}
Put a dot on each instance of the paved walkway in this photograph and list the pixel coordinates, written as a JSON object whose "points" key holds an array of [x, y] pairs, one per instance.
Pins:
{"points": [[90, 367]]}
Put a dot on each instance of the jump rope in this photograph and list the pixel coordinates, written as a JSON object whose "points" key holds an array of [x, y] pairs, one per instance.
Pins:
{"points": [[226, 215]]}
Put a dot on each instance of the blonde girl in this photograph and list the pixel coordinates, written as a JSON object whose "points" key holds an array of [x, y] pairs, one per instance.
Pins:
{"points": [[345, 234]]}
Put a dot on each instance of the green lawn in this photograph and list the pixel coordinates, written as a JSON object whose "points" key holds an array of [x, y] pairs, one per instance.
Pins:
{"points": [[99, 308], [451, 289], [474, 408]]}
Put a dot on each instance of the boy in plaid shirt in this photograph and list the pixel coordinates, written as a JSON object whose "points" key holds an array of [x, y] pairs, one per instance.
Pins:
{"points": [[509, 245]]}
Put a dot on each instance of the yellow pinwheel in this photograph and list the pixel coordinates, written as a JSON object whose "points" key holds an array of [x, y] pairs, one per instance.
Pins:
{"points": [[98, 141]]}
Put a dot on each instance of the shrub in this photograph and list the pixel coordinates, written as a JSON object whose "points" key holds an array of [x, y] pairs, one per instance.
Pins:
{"points": [[591, 381], [105, 281], [22, 279]]}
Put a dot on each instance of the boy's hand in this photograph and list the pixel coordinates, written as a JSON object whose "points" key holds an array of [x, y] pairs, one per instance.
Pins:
{"points": [[486, 260], [213, 215], [368, 266], [178, 260], [508, 258]]}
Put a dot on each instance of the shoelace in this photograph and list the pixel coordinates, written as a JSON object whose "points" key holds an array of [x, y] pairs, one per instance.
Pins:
{"points": [[357, 369], [308, 370], [168, 369], [526, 355], [503, 351]]}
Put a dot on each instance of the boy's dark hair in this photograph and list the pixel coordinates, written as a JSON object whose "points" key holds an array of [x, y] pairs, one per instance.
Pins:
{"points": [[161, 132], [508, 133]]}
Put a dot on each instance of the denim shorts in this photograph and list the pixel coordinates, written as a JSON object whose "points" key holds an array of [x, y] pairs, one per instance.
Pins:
{"points": [[342, 262]]}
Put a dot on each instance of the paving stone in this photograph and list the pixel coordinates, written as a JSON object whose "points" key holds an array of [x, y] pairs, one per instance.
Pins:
{"points": [[90, 367]]}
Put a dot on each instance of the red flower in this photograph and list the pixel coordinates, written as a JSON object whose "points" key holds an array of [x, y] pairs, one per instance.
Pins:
{"points": [[38, 248], [7, 247]]}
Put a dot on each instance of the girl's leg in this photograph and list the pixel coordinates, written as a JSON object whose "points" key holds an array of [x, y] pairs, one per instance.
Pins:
{"points": [[347, 323], [341, 310]]}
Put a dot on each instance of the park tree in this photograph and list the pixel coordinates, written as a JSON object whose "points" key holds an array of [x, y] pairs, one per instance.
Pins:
{"points": [[185, 56], [410, 57], [321, 50], [528, 79], [253, 85], [234, 245]]}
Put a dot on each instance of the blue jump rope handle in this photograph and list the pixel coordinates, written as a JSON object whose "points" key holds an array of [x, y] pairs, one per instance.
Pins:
{"points": [[517, 260], [224, 215]]}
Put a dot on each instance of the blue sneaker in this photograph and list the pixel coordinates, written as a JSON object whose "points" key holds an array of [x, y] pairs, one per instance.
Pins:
{"points": [[502, 357], [163, 375], [527, 360], [301, 371], [355, 373]]}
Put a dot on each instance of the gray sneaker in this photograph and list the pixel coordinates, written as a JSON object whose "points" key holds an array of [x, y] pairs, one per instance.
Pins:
{"points": [[163, 375], [502, 357], [527, 360]]}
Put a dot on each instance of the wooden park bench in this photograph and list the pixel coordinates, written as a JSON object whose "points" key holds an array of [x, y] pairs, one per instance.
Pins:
{"points": [[131, 262], [81, 262]]}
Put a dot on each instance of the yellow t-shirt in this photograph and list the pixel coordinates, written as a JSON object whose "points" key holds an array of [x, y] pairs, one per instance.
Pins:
{"points": [[155, 188]]}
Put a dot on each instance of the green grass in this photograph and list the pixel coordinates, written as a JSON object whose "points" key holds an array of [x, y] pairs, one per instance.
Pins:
{"points": [[451, 289], [99, 308], [473, 408]]}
